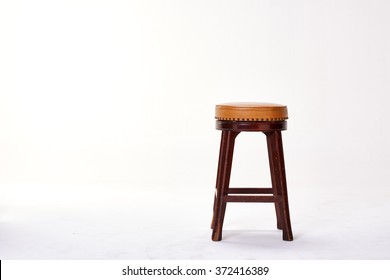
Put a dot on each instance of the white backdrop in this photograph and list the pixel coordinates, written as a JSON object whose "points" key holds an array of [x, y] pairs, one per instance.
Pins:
{"points": [[123, 92]]}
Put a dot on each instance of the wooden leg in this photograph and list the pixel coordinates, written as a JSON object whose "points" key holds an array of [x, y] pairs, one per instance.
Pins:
{"points": [[273, 180], [214, 205], [279, 184], [223, 179], [222, 158]]}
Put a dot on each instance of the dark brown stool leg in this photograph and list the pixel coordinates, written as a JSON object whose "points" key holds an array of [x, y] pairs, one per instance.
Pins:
{"points": [[279, 184], [214, 210], [223, 179], [273, 179], [222, 158]]}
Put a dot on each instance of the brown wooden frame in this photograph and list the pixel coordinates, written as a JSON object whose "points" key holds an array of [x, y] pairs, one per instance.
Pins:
{"points": [[277, 194]]}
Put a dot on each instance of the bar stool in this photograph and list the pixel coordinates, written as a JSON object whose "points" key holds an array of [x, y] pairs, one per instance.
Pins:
{"points": [[233, 118]]}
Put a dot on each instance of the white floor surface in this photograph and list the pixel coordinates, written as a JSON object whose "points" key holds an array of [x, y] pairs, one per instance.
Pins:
{"points": [[44, 221]]}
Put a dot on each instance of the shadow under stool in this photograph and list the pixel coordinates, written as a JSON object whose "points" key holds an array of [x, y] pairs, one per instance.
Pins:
{"points": [[269, 118]]}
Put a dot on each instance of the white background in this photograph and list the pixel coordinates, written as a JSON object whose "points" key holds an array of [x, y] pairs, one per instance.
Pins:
{"points": [[107, 141]]}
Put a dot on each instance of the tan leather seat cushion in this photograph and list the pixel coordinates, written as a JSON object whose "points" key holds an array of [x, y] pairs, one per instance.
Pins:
{"points": [[251, 111]]}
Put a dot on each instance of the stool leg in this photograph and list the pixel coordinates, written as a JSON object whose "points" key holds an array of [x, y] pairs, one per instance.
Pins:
{"points": [[222, 158], [279, 184], [273, 180], [276, 193], [223, 179], [214, 206]]}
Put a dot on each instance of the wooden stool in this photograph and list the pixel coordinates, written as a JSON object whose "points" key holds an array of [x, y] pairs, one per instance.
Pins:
{"points": [[232, 118]]}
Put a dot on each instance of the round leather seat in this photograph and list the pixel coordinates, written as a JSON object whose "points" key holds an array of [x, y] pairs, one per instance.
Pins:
{"points": [[251, 111]]}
